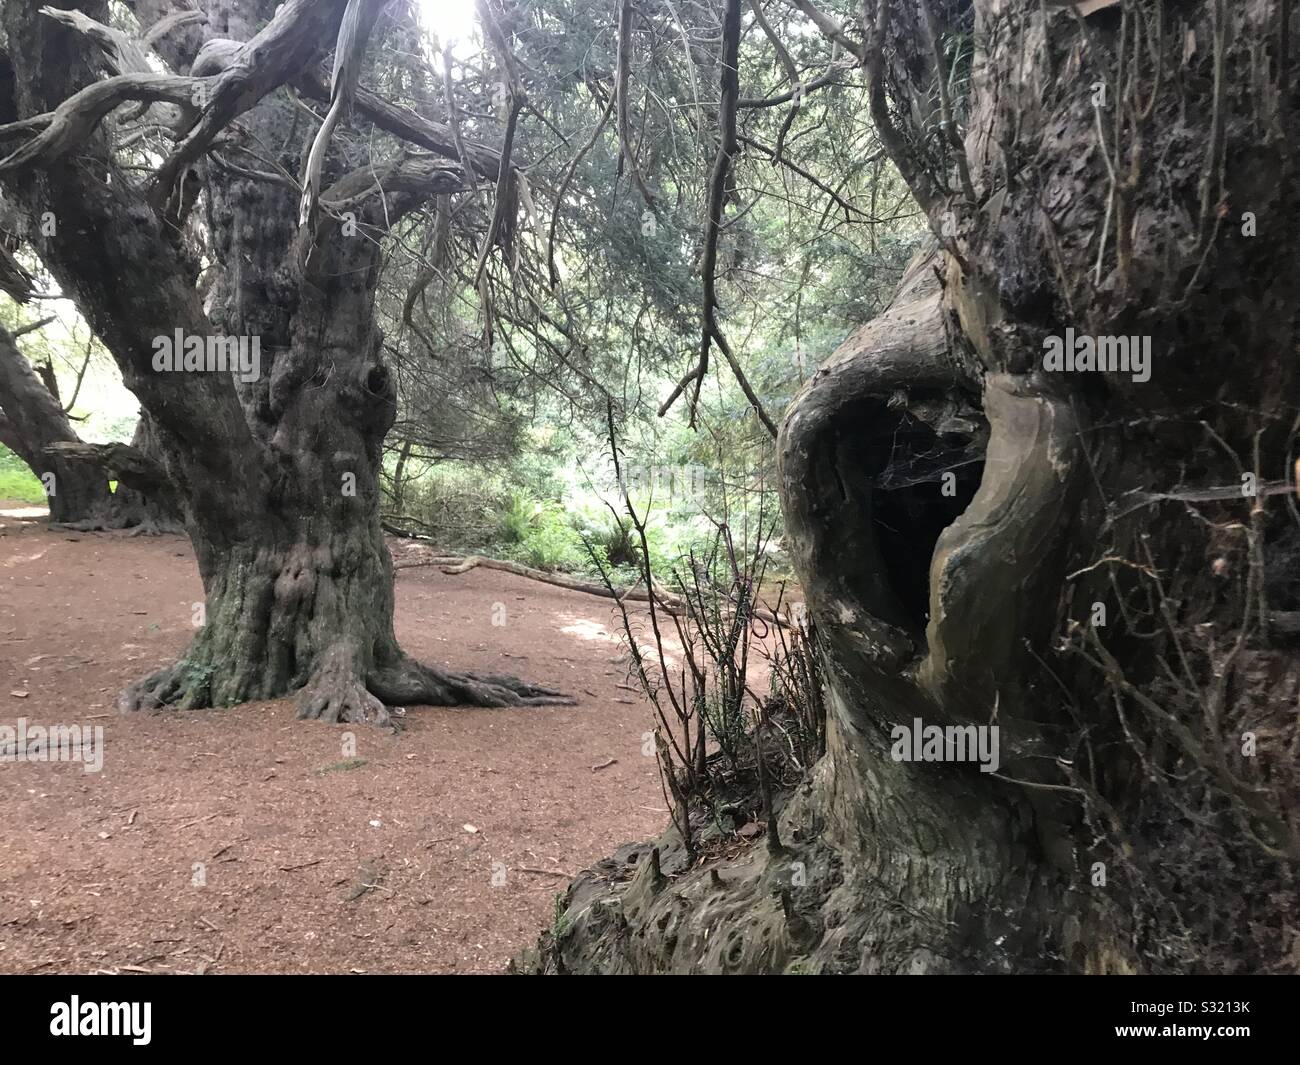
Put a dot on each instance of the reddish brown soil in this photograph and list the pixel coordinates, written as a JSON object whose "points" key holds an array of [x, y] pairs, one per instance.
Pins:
{"points": [[311, 865]]}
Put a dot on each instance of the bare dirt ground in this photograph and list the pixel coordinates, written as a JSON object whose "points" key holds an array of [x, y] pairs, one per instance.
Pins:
{"points": [[241, 840]]}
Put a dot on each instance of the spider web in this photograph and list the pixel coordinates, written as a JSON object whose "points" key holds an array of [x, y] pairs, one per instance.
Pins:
{"points": [[918, 455]]}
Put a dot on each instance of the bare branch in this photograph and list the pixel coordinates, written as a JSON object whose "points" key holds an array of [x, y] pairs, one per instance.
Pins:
{"points": [[274, 56], [354, 31], [718, 183], [945, 102], [821, 81], [829, 28], [579, 155], [14, 278], [124, 55], [404, 184], [174, 21], [401, 122], [505, 204], [71, 124], [625, 152], [922, 186], [812, 179]]}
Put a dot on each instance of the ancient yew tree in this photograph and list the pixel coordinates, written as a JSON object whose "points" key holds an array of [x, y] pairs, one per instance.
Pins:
{"points": [[218, 203], [1101, 563]]}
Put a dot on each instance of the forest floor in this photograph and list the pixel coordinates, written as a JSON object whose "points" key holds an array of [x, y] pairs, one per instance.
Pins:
{"points": [[242, 840]]}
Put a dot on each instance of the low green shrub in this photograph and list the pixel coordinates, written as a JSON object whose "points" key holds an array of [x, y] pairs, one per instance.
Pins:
{"points": [[17, 481]]}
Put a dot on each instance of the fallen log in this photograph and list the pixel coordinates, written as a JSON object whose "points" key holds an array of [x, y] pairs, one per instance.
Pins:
{"points": [[673, 604], [562, 580]]}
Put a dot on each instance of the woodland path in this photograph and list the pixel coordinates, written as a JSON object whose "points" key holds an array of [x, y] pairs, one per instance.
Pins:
{"points": [[97, 870]]}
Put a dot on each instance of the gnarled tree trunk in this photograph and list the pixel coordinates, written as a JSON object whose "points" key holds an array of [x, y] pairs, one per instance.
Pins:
{"points": [[1103, 578], [34, 426], [276, 465], [32, 420], [145, 501]]}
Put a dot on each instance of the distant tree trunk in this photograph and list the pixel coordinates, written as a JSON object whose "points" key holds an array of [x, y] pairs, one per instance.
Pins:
{"points": [[146, 505], [277, 468], [399, 478], [41, 434], [1090, 560], [34, 419]]}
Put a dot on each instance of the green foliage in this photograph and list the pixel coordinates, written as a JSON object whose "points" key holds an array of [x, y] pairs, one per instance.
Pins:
{"points": [[520, 517], [551, 544], [559, 919], [616, 541], [17, 481], [341, 766], [457, 508]]}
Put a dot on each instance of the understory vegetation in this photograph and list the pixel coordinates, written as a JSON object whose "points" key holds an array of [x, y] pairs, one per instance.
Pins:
{"points": [[17, 480]]}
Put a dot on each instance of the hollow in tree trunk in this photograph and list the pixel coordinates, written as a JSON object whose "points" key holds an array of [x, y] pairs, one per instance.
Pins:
{"points": [[1097, 557]]}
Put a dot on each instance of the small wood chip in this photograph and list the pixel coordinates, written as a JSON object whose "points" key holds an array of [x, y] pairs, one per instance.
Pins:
{"points": [[604, 765]]}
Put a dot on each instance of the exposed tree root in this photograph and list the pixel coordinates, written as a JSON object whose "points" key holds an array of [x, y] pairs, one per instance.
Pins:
{"points": [[84, 526], [181, 686], [339, 691], [145, 527], [409, 681], [150, 527], [817, 907]]}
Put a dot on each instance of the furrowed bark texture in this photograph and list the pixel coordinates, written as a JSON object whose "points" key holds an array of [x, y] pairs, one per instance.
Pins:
{"points": [[1124, 830]]}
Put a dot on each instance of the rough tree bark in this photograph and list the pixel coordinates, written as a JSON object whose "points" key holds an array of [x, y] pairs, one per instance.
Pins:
{"points": [[145, 501], [32, 420], [1165, 207], [278, 474]]}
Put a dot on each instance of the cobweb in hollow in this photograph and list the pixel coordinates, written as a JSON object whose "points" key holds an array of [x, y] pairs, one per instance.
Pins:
{"points": [[918, 455]]}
